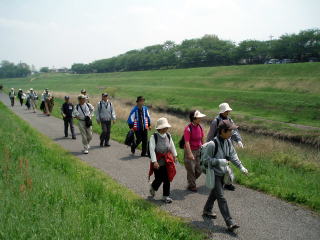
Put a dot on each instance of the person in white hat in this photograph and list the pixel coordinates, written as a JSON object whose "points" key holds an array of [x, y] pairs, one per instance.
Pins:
{"points": [[163, 155], [84, 112], [194, 138], [33, 99], [224, 111], [12, 95]]}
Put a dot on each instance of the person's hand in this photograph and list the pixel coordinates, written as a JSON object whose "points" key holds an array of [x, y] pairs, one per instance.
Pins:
{"points": [[191, 157], [156, 165], [150, 128], [240, 144], [63, 115], [175, 159], [223, 162], [244, 171]]}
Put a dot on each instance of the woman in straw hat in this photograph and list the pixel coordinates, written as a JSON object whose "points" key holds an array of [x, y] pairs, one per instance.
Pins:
{"points": [[163, 155]]}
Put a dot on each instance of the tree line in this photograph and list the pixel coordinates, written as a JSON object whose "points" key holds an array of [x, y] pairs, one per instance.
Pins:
{"points": [[11, 70], [209, 51]]}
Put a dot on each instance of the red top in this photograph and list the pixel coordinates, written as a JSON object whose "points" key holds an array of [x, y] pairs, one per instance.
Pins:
{"points": [[194, 137]]}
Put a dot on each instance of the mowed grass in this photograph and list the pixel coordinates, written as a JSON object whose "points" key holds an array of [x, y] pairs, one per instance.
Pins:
{"points": [[281, 92], [45, 193], [280, 169]]}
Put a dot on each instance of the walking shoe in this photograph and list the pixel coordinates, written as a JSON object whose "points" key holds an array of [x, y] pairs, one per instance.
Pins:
{"points": [[85, 151], [101, 143], [192, 189], [152, 191], [229, 187], [208, 214], [74, 137], [232, 227], [107, 145], [144, 155], [167, 199]]}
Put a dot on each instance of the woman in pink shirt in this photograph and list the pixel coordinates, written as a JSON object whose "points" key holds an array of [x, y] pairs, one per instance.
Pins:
{"points": [[194, 138]]}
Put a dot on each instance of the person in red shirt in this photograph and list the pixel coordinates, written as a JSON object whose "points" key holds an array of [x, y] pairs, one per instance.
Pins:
{"points": [[194, 138]]}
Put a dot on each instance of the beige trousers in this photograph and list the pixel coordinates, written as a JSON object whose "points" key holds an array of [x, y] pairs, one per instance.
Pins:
{"points": [[86, 134], [193, 168]]}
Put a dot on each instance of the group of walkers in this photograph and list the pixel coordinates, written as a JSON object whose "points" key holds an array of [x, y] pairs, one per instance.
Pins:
{"points": [[210, 156], [30, 97]]}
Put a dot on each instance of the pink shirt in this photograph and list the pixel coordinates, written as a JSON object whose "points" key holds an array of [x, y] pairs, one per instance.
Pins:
{"points": [[194, 137]]}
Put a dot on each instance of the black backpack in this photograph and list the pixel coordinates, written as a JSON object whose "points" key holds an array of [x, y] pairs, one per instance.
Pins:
{"points": [[155, 135], [182, 141]]}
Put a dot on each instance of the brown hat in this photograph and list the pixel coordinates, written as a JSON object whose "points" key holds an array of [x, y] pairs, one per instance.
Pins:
{"points": [[227, 124]]}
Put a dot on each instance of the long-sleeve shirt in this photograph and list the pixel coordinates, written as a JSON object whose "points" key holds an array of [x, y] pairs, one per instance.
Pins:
{"points": [[139, 119], [87, 110], [213, 131], [225, 151], [105, 111], [67, 109], [152, 146]]}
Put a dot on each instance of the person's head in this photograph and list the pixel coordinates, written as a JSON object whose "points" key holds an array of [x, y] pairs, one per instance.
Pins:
{"points": [[81, 99], [83, 92], [66, 99], [46, 90], [12, 89], [140, 101], [162, 125], [104, 96], [225, 128], [196, 116], [224, 109], [31, 89]]}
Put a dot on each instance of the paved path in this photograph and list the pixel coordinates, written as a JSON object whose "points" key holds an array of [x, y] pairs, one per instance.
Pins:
{"points": [[260, 216]]}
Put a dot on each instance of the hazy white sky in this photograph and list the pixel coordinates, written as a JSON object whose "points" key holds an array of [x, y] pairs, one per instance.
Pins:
{"points": [[61, 32]]}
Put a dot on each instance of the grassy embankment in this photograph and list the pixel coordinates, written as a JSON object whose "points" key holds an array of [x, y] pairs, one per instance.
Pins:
{"points": [[260, 94], [280, 169], [45, 193]]}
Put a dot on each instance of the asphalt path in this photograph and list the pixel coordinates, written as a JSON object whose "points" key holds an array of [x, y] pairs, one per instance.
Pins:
{"points": [[259, 215]]}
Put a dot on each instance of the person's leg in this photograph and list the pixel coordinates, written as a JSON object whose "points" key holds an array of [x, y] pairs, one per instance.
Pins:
{"points": [[138, 141], [82, 129], [89, 134], [210, 201], [103, 133], [189, 165], [12, 101], [222, 202], [166, 182], [144, 139], [65, 120], [108, 131], [72, 128], [158, 178], [197, 168], [46, 107]]}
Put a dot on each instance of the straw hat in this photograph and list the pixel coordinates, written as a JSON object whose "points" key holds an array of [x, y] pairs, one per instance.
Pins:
{"points": [[223, 107], [162, 123]]}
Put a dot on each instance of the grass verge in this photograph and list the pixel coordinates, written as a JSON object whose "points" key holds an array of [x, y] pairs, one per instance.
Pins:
{"points": [[45, 193]]}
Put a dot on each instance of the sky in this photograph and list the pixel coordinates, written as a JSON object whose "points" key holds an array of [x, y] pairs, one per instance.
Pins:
{"points": [[58, 33]]}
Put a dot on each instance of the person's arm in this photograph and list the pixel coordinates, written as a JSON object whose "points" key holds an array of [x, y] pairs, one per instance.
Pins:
{"points": [[97, 113], [187, 147], [113, 113], [75, 113], [236, 136], [152, 149], [202, 133], [212, 130], [131, 118], [173, 148], [235, 160], [149, 119], [91, 109], [62, 112]]}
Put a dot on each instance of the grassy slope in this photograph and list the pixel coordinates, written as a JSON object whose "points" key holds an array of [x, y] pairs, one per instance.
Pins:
{"points": [[285, 92], [45, 193]]}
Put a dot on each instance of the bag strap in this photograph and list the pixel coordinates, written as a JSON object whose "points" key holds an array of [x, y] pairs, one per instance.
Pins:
{"points": [[155, 135], [82, 110], [216, 148]]}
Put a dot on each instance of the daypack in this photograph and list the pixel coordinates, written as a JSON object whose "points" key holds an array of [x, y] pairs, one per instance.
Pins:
{"points": [[155, 135], [204, 165], [182, 141]]}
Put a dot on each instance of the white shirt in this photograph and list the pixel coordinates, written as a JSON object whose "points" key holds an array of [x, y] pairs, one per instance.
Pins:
{"points": [[87, 109]]}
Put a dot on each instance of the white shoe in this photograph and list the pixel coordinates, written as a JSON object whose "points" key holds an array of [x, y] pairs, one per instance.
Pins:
{"points": [[167, 199], [152, 191], [85, 151]]}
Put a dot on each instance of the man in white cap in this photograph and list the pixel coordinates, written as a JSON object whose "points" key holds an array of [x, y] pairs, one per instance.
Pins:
{"points": [[105, 113], [84, 112], [12, 95], [224, 111]]}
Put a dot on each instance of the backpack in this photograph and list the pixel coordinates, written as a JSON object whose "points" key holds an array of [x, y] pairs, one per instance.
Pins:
{"points": [[155, 135], [182, 141], [203, 162]]}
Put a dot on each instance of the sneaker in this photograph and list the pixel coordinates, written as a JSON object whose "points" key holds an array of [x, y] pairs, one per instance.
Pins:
{"points": [[229, 187], [209, 214], [167, 199], [152, 191], [74, 138], [107, 145], [85, 151], [232, 227], [144, 155]]}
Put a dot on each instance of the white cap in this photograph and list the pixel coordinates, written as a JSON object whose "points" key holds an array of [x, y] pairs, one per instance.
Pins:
{"points": [[31, 89], [223, 107], [12, 88], [162, 123], [198, 114]]}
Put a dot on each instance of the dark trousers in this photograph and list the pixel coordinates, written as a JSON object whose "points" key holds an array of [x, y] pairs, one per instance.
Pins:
{"points": [[106, 129], [161, 176], [141, 136], [21, 101], [67, 122], [12, 102], [217, 194]]}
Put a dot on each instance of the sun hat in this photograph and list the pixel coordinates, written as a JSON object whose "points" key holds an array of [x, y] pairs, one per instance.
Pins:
{"points": [[227, 124], [83, 91], [12, 88], [223, 107], [162, 123], [198, 114], [31, 89], [105, 94], [81, 96]]}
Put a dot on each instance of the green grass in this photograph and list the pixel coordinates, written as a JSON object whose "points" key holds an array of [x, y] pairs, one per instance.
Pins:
{"points": [[285, 173], [282, 92], [45, 193]]}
